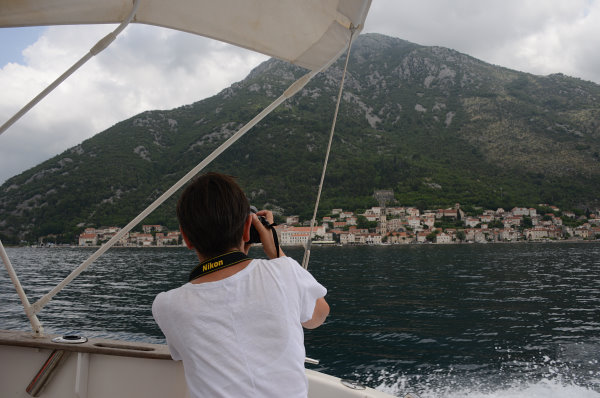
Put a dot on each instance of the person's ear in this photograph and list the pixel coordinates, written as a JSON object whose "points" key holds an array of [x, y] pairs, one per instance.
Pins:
{"points": [[185, 239], [247, 225]]}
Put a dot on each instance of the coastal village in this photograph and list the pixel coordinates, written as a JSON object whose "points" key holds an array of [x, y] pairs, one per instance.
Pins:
{"points": [[400, 225]]}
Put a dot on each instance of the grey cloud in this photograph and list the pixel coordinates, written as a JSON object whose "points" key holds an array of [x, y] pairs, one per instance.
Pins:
{"points": [[499, 32], [146, 68]]}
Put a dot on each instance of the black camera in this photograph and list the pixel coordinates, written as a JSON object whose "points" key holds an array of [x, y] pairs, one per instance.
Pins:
{"points": [[254, 236]]}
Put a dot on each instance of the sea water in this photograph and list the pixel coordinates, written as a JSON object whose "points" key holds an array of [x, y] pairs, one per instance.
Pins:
{"points": [[489, 321]]}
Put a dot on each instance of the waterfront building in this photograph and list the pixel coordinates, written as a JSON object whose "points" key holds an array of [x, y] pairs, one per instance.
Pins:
{"points": [[395, 224], [339, 224], [443, 238], [414, 222], [347, 238], [352, 220], [486, 218], [292, 220], [400, 238], [520, 211], [429, 220], [295, 236], [371, 217], [422, 236], [511, 221], [509, 235], [412, 211], [472, 222], [148, 229], [395, 211], [536, 233], [89, 239], [372, 239], [144, 239]]}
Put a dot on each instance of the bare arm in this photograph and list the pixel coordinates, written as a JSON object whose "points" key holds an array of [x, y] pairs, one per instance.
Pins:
{"points": [[319, 314], [266, 237]]}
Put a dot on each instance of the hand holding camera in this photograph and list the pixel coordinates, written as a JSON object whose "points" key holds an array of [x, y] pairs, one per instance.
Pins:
{"points": [[262, 231]]}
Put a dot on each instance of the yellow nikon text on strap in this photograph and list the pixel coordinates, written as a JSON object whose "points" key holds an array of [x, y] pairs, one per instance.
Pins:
{"points": [[217, 263]]}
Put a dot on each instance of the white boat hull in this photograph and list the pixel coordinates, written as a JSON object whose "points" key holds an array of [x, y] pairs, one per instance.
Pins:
{"points": [[103, 368]]}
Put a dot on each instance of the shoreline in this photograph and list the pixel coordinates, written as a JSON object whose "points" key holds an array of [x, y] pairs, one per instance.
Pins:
{"points": [[548, 241]]}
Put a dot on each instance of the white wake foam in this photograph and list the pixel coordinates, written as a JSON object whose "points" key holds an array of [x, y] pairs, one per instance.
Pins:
{"points": [[541, 389]]}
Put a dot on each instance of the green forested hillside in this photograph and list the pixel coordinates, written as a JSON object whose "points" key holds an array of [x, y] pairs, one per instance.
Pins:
{"points": [[436, 126]]}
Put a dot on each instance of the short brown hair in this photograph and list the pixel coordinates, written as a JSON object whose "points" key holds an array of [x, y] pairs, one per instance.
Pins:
{"points": [[211, 212]]}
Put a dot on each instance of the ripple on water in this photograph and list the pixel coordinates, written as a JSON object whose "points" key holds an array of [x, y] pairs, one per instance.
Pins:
{"points": [[490, 321]]}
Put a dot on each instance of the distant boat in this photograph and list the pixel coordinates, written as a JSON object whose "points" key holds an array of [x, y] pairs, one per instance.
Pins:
{"points": [[324, 242]]}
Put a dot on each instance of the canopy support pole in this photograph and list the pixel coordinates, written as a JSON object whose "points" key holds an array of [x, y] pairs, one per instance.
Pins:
{"points": [[101, 45], [33, 319], [293, 89], [31, 310], [306, 257]]}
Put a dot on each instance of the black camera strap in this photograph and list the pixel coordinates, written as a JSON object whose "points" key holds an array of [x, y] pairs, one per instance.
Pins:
{"points": [[217, 263], [275, 238]]}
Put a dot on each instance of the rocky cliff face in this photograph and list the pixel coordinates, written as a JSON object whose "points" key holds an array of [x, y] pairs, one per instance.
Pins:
{"points": [[434, 125]]}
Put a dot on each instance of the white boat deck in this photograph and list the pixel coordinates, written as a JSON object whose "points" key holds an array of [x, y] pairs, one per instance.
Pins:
{"points": [[101, 368]]}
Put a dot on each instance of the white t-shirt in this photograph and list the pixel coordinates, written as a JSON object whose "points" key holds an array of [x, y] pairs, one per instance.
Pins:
{"points": [[242, 336]]}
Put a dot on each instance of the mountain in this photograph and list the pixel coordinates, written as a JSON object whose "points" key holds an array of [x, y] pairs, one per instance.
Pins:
{"points": [[436, 126]]}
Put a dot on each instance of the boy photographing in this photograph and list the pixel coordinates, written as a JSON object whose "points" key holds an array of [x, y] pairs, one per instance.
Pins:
{"points": [[237, 324]]}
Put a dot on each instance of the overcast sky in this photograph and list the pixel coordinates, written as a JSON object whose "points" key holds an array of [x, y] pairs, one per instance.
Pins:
{"points": [[154, 68]]}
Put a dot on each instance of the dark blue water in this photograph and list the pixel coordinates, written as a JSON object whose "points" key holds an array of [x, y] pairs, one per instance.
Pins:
{"points": [[494, 321]]}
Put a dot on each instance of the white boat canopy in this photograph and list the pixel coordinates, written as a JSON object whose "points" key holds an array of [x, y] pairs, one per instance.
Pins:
{"points": [[308, 33]]}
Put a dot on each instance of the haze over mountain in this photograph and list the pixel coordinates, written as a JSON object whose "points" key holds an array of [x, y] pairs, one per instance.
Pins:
{"points": [[436, 126]]}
